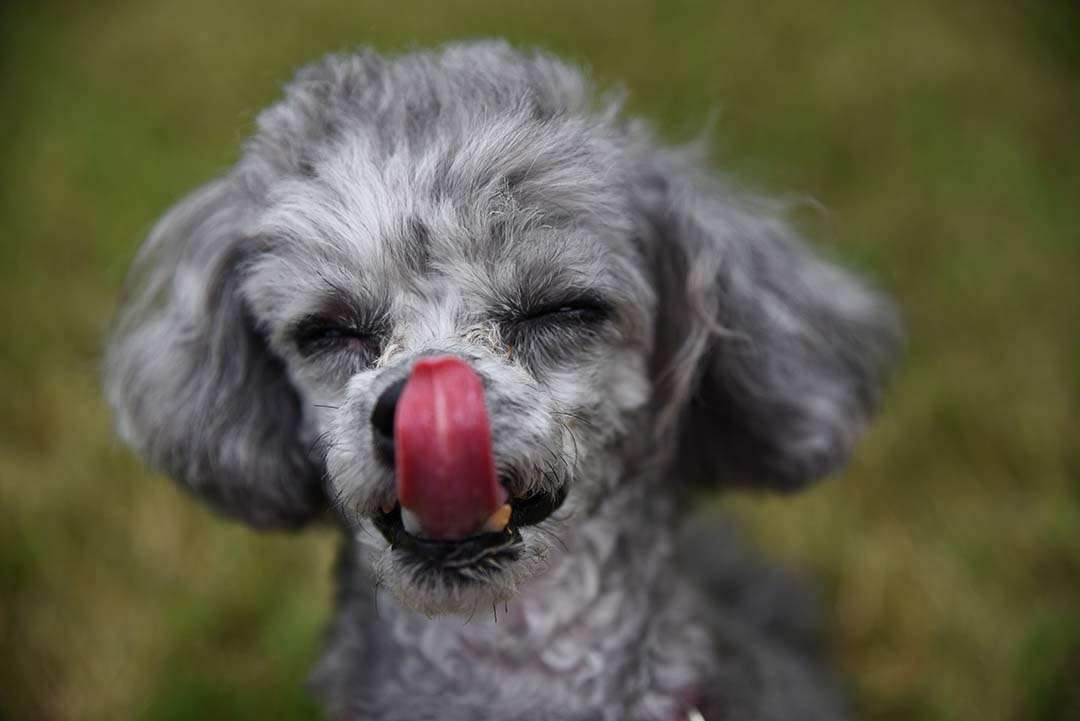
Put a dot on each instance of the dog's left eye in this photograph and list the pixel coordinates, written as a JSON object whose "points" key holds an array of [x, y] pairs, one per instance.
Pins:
{"points": [[585, 313], [578, 311], [544, 334]]}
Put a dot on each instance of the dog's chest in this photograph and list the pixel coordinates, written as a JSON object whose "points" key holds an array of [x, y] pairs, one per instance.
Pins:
{"points": [[595, 641]]}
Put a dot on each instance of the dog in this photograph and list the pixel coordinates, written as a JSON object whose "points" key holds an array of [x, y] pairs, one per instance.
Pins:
{"points": [[456, 304]]}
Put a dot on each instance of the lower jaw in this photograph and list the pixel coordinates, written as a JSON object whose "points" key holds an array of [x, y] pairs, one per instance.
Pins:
{"points": [[436, 577], [447, 557], [438, 589]]}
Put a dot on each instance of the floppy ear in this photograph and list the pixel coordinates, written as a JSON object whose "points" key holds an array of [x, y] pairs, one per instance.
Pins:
{"points": [[193, 384], [769, 360]]}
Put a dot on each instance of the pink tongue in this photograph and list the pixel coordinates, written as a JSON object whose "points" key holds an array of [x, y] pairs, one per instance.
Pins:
{"points": [[442, 443]]}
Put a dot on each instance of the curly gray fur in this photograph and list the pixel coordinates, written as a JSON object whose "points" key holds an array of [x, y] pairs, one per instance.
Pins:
{"points": [[437, 202]]}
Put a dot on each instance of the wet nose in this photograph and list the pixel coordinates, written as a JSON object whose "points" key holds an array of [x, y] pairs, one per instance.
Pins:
{"points": [[382, 422]]}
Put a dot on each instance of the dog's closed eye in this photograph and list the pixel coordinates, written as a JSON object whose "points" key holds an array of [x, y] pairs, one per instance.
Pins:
{"points": [[547, 332], [584, 314], [584, 310], [316, 336]]}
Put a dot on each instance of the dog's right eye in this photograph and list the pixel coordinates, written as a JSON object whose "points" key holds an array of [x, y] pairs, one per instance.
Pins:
{"points": [[315, 337]]}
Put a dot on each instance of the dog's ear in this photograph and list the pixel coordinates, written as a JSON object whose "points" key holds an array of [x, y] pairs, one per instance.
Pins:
{"points": [[194, 386], [768, 359]]}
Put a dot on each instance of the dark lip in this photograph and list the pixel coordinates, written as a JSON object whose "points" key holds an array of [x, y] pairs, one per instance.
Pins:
{"points": [[485, 547]]}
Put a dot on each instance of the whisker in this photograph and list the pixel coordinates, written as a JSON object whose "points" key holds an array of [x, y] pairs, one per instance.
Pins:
{"points": [[378, 587], [555, 457], [559, 457], [550, 534], [581, 419], [560, 541], [573, 438], [319, 439]]}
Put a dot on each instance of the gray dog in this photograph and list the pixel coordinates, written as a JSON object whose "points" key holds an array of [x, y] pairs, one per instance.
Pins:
{"points": [[499, 335]]}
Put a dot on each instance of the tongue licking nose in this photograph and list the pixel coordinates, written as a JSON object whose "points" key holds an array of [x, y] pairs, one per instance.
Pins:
{"points": [[442, 444]]}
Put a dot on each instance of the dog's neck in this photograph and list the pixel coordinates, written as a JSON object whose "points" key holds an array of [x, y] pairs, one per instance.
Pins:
{"points": [[609, 630]]}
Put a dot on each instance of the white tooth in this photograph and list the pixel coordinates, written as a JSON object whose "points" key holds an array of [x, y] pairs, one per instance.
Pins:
{"points": [[411, 521], [498, 520]]}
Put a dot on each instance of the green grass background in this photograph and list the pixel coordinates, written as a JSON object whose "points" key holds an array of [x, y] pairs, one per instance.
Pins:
{"points": [[941, 139]]}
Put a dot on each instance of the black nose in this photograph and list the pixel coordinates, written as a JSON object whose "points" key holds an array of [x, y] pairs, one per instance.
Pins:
{"points": [[382, 422]]}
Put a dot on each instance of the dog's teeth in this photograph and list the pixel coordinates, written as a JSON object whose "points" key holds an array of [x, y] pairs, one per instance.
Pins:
{"points": [[411, 521], [498, 520]]}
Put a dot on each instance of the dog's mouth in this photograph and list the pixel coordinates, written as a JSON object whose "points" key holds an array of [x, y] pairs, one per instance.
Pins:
{"points": [[453, 511], [498, 541]]}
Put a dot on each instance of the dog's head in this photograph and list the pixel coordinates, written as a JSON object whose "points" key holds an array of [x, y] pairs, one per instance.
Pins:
{"points": [[601, 309]]}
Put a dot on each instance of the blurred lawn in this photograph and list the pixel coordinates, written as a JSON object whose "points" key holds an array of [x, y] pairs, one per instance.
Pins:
{"points": [[942, 138]]}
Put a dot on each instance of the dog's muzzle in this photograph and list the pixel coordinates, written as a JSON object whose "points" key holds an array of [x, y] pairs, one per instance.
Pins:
{"points": [[452, 507]]}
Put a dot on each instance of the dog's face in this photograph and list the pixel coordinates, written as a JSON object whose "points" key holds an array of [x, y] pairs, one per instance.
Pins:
{"points": [[616, 310], [518, 257]]}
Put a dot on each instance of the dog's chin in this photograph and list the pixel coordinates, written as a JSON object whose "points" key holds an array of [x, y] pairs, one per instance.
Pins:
{"points": [[435, 589], [462, 576]]}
